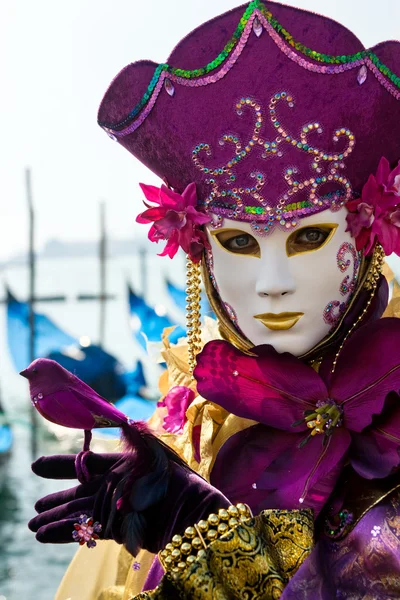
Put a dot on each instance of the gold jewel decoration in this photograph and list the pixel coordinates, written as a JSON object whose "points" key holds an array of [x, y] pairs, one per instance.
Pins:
{"points": [[184, 550], [193, 322]]}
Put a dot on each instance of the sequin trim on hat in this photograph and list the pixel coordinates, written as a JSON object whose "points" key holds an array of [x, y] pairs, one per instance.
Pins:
{"points": [[227, 201], [255, 16]]}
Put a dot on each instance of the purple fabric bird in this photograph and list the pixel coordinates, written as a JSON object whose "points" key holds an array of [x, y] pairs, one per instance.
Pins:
{"points": [[62, 398]]}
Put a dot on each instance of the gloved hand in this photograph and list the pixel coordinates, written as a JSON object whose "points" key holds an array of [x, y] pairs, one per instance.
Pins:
{"points": [[140, 506]]}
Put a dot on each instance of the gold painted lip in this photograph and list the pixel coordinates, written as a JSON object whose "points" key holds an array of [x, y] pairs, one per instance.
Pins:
{"points": [[281, 321]]}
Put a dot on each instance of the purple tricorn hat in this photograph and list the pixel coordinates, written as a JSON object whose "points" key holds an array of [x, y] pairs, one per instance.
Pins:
{"points": [[275, 113]]}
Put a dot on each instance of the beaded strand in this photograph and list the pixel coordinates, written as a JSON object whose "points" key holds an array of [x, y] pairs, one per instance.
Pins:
{"points": [[184, 550]]}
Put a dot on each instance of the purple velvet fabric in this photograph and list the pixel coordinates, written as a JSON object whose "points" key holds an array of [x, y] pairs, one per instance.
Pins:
{"points": [[349, 99]]}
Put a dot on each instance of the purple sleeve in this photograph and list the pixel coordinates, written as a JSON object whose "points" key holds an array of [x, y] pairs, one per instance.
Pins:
{"points": [[365, 564], [154, 576]]}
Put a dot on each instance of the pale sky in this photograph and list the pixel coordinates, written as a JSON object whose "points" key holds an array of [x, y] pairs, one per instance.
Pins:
{"points": [[57, 58]]}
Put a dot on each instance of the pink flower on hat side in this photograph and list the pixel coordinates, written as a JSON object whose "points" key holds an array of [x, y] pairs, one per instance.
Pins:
{"points": [[175, 220], [375, 217], [177, 402]]}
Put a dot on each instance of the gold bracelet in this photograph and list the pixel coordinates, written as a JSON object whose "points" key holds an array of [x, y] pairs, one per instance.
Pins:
{"points": [[184, 549]]}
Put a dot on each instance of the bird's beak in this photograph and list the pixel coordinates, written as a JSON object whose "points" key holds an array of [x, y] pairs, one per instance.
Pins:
{"points": [[24, 373]]}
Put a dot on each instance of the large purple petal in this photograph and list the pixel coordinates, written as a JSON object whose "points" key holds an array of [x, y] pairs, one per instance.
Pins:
{"points": [[274, 389], [306, 476], [367, 370], [249, 454], [374, 453]]}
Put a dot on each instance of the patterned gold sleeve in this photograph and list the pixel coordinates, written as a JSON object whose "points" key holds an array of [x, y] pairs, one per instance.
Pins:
{"points": [[254, 560]]}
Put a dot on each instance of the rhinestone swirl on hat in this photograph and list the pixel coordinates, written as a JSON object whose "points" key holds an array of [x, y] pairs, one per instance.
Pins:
{"points": [[225, 198]]}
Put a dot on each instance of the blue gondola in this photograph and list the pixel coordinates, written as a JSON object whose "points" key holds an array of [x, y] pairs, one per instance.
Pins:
{"points": [[96, 367], [135, 380], [6, 440], [102, 371], [178, 295], [48, 336], [144, 319]]}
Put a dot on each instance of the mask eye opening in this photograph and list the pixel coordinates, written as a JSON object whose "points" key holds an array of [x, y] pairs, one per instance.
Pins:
{"points": [[297, 242], [237, 241]]}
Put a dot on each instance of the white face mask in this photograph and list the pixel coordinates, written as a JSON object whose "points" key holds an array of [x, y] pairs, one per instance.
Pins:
{"points": [[288, 289]]}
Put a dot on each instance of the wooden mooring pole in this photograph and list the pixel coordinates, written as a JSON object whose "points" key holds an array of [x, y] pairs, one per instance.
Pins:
{"points": [[103, 274], [31, 298]]}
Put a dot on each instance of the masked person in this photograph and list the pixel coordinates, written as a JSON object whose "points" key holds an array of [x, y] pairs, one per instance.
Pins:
{"points": [[277, 137]]}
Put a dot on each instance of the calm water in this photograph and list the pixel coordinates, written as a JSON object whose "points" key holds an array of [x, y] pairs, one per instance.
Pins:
{"points": [[27, 568]]}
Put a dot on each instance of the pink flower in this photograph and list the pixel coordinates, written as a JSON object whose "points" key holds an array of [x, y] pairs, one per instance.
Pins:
{"points": [[175, 219], [375, 217], [177, 402]]}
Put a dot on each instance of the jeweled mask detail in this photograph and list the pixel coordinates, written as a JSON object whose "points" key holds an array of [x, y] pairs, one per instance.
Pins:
{"points": [[323, 187], [347, 257]]}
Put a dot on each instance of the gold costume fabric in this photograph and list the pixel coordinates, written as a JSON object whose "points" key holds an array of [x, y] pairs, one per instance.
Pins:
{"points": [[254, 561]]}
